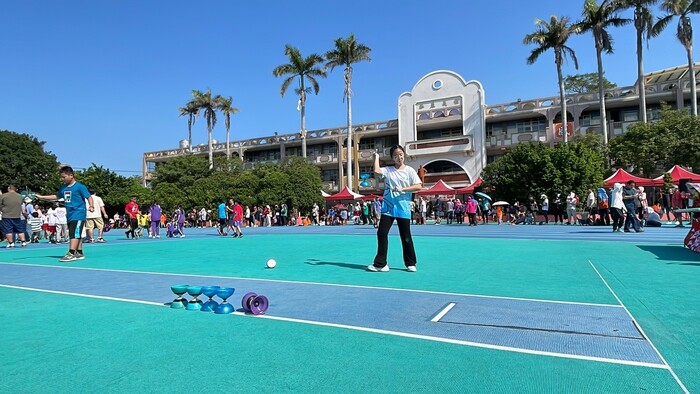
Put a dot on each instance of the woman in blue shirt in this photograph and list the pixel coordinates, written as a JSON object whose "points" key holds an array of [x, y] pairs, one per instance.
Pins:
{"points": [[400, 182]]}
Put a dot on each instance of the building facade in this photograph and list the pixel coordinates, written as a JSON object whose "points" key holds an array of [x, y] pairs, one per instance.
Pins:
{"points": [[446, 126]]}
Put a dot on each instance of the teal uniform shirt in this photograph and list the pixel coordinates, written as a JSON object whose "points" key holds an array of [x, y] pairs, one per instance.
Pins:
{"points": [[398, 204], [74, 199]]}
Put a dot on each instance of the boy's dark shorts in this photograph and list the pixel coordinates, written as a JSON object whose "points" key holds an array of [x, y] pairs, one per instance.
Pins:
{"points": [[75, 229]]}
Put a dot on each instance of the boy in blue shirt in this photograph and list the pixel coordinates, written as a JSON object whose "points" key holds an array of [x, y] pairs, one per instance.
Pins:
{"points": [[74, 194]]}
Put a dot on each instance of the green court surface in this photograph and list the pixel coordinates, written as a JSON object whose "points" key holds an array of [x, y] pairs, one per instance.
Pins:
{"points": [[73, 343]]}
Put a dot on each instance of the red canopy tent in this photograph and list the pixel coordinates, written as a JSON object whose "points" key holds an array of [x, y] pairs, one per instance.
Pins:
{"points": [[439, 188], [678, 173], [370, 197], [345, 194], [469, 189], [622, 176]]}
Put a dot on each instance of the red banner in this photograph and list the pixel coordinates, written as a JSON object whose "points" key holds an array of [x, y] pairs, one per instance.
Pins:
{"points": [[692, 240], [569, 130]]}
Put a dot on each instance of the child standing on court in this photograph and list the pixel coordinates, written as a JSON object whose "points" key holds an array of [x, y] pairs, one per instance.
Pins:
{"points": [[35, 223], [74, 195]]}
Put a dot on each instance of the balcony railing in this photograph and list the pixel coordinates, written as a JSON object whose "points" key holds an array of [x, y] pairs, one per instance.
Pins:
{"points": [[462, 143], [273, 140], [588, 97]]}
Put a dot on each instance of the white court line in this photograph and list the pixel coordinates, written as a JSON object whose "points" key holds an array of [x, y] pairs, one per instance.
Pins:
{"points": [[310, 283], [374, 330], [443, 312], [678, 380]]}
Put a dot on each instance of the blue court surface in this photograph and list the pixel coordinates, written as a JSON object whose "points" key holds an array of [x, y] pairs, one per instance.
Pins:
{"points": [[558, 292]]}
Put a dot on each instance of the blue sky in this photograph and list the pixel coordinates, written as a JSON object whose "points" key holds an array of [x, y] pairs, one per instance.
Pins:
{"points": [[101, 81]]}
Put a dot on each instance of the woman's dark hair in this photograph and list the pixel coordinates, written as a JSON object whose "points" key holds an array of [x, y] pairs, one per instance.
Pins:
{"points": [[394, 148]]}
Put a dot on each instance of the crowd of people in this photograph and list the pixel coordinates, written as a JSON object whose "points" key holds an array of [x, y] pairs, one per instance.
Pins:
{"points": [[624, 207]]}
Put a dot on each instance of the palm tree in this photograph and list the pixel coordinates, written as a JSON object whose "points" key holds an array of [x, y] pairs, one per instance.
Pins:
{"points": [[643, 23], [682, 9], [553, 35], [205, 102], [224, 105], [598, 19], [347, 52], [191, 111], [307, 70]]}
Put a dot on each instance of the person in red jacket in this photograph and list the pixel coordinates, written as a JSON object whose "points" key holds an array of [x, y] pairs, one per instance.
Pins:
{"points": [[237, 219], [132, 210]]}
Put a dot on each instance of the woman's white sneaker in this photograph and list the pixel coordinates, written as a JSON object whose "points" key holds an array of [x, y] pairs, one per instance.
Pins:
{"points": [[411, 268], [372, 268]]}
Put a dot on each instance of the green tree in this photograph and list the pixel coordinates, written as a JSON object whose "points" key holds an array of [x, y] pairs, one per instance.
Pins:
{"points": [[684, 32], [169, 195], [245, 188], [594, 142], [347, 52], [668, 182], [646, 148], [306, 179], [598, 19], [25, 163], [181, 171], [554, 35], [107, 184], [643, 24], [584, 83], [274, 188], [226, 109], [210, 191], [530, 169], [305, 69]]}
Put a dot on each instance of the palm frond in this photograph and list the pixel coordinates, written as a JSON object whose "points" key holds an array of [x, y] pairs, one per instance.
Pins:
{"points": [[314, 83], [566, 51], [661, 25], [286, 84]]}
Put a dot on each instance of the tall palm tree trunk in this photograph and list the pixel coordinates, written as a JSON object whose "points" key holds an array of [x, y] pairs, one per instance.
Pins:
{"points": [[562, 98], [349, 163], [693, 89], [641, 84], [303, 128], [601, 95], [189, 139], [228, 148], [211, 149]]}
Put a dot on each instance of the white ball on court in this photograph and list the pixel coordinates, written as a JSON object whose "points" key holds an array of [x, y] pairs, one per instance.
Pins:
{"points": [[271, 263]]}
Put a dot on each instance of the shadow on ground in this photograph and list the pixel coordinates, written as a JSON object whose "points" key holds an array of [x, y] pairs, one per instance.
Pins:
{"points": [[671, 252], [337, 264]]}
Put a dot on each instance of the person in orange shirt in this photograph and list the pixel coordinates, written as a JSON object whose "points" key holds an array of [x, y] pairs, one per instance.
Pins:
{"points": [[499, 214]]}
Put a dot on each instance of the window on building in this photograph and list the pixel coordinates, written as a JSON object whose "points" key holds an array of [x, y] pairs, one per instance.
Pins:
{"points": [[590, 119], [454, 112], [424, 116], [439, 133], [367, 144], [367, 170], [492, 158], [150, 166], [439, 114], [442, 166], [630, 115], [330, 175], [537, 125]]}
